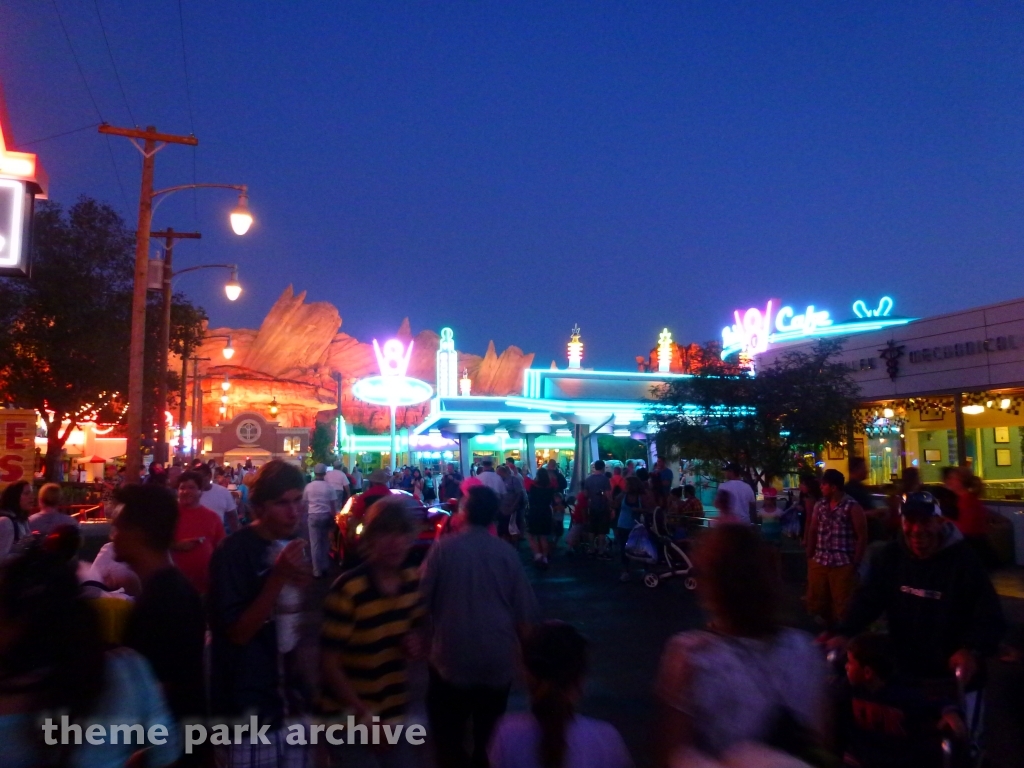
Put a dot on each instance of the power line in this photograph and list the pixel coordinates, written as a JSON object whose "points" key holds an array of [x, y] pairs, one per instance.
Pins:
{"points": [[188, 101], [184, 62], [58, 135], [110, 53], [117, 175], [95, 106], [78, 63]]}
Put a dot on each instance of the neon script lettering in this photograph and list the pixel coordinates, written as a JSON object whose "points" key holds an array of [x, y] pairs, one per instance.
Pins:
{"points": [[749, 332]]}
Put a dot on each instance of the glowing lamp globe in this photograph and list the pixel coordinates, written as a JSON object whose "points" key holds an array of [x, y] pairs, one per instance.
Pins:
{"points": [[228, 350], [241, 218], [232, 288]]}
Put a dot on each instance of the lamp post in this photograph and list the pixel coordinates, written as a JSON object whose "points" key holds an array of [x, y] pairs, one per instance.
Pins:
{"points": [[241, 220], [228, 351], [231, 288]]}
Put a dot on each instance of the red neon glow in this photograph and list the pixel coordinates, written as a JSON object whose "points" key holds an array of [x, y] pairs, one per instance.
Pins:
{"points": [[17, 165]]}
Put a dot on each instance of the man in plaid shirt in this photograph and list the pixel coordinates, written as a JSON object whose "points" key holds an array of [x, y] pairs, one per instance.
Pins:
{"points": [[837, 536]]}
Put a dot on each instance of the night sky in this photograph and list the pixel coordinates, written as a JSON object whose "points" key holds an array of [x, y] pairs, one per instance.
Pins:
{"points": [[512, 168]]}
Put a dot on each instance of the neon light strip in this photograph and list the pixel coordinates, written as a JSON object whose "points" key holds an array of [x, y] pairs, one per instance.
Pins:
{"points": [[854, 326]]}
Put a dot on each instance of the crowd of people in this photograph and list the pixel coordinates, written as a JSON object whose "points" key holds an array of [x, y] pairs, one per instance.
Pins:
{"points": [[191, 619]]}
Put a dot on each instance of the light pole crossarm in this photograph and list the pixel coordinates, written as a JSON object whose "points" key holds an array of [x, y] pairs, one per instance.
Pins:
{"points": [[161, 194], [233, 267]]}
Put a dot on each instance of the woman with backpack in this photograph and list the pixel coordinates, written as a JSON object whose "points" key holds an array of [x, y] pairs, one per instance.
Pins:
{"points": [[15, 507]]}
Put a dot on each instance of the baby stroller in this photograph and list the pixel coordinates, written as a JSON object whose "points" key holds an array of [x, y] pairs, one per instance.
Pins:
{"points": [[925, 743], [661, 556]]}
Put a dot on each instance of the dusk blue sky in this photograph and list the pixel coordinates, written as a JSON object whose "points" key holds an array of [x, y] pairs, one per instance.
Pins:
{"points": [[510, 169]]}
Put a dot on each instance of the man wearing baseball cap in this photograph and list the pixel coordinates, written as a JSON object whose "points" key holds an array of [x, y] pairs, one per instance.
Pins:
{"points": [[942, 609]]}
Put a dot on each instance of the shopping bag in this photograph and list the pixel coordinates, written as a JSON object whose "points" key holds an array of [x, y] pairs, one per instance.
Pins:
{"points": [[639, 545]]}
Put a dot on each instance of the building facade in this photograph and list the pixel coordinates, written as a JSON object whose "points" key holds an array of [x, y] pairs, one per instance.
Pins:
{"points": [[941, 391]]}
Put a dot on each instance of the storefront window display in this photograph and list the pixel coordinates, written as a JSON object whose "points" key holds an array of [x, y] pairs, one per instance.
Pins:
{"points": [[923, 434]]}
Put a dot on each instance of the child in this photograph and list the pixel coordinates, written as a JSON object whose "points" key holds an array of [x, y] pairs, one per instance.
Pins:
{"points": [[370, 617], [577, 524], [888, 724], [551, 734]]}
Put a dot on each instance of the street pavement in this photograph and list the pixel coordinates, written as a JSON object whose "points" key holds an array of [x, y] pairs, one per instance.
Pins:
{"points": [[628, 623]]}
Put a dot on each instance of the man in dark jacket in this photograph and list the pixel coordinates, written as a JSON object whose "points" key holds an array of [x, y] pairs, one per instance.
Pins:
{"points": [[942, 609]]}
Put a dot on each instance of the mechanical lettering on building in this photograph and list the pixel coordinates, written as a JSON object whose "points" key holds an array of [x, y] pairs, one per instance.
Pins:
{"points": [[963, 349]]}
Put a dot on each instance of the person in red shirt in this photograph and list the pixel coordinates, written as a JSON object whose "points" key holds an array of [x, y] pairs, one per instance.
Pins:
{"points": [[197, 534], [378, 489], [972, 516]]}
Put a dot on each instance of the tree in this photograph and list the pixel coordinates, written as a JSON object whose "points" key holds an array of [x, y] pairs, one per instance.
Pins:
{"points": [[188, 326], [321, 445], [764, 422], [65, 332]]}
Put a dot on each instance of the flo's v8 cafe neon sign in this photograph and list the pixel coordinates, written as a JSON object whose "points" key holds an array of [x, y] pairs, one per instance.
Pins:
{"points": [[754, 330]]}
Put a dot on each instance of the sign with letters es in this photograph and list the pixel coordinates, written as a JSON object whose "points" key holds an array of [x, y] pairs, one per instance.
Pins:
{"points": [[17, 446]]}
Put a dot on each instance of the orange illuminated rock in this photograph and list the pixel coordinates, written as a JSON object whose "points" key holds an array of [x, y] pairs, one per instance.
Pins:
{"points": [[294, 356]]}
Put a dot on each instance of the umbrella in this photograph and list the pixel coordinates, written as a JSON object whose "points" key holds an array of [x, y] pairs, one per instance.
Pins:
{"points": [[97, 460]]}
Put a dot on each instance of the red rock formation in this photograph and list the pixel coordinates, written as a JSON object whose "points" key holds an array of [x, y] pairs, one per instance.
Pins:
{"points": [[298, 350]]}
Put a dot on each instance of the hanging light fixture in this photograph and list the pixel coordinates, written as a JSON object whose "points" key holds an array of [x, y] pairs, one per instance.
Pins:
{"points": [[973, 409], [224, 399], [241, 217], [232, 288], [226, 384], [273, 407], [229, 351]]}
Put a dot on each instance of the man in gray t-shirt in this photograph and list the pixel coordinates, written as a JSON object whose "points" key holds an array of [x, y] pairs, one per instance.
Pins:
{"points": [[477, 598]]}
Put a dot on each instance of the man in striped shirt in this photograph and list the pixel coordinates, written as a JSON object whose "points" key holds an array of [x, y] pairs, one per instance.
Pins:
{"points": [[370, 615]]}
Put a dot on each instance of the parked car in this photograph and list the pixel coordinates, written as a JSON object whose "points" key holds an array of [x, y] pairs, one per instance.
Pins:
{"points": [[345, 547]]}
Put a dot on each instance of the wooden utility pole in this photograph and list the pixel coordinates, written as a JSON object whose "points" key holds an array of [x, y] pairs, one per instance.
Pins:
{"points": [[153, 142], [163, 452]]}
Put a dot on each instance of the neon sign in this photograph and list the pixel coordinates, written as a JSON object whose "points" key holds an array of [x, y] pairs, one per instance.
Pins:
{"points": [[575, 348], [754, 330], [21, 180], [447, 365], [885, 305], [664, 351], [392, 388]]}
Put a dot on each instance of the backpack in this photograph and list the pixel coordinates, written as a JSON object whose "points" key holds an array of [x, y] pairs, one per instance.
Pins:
{"points": [[14, 523]]}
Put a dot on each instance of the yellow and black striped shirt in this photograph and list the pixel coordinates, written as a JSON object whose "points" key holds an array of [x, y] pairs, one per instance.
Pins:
{"points": [[367, 628]]}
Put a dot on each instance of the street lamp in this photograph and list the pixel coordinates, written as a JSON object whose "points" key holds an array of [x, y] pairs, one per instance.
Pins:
{"points": [[273, 407], [241, 218], [148, 142], [232, 288], [228, 350]]}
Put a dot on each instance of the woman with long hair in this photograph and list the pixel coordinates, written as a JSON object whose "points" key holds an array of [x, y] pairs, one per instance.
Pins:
{"points": [[551, 734], [15, 508], [52, 663], [745, 680], [538, 518], [416, 484]]}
